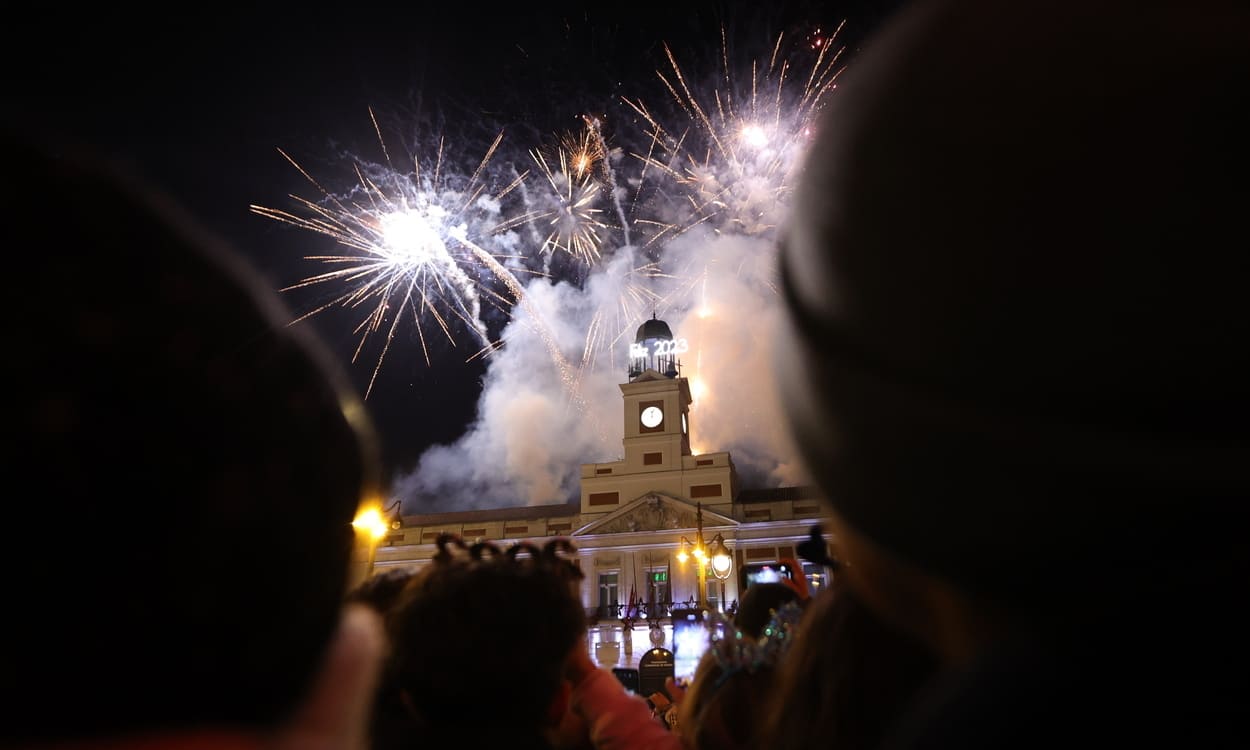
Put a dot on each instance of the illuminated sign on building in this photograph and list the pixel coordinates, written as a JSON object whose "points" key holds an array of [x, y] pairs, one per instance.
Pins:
{"points": [[663, 348]]}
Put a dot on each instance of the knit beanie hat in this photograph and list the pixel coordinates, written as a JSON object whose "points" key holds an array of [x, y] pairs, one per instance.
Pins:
{"points": [[1016, 337]]}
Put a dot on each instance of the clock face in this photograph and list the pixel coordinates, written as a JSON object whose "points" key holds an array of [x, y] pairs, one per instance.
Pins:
{"points": [[652, 416]]}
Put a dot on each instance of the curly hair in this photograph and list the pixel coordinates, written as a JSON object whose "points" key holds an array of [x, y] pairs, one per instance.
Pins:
{"points": [[485, 632]]}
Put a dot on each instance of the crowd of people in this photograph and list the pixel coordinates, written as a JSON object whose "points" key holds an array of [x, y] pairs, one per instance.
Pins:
{"points": [[1012, 354]]}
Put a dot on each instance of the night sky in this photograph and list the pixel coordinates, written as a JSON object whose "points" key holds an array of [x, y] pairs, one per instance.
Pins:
{"points": [[201, 100]]}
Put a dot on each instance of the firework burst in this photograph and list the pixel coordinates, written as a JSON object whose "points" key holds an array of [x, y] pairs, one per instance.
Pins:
{"points": [[564, 212], [432, 248], [741, 140], [413, 251], [731, 146]]}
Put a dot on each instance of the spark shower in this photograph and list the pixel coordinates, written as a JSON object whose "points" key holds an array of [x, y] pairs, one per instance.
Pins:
{"points": [[427, 245]]}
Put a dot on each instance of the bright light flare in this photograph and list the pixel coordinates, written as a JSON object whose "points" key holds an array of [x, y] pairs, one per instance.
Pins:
{"points": [[753, 136], [369, 521], [409, 240], [698, 389]]}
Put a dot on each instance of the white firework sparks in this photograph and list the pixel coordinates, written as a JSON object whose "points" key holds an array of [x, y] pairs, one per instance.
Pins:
{"points": [[738, 146], [412, 250], [564, 213], [416, 240]]}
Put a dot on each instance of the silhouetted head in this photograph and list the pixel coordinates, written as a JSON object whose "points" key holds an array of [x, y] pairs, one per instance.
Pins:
{"points": [[759, 603], [847, 678], [1015, 347], [480, 639], [193, 463]]}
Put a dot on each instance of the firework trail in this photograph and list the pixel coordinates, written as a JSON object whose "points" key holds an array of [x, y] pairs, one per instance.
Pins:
{"points": [[612, 322], [594, 133]]}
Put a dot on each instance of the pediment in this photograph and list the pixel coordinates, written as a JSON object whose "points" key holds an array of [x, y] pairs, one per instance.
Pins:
{"points": [[654, 511]]}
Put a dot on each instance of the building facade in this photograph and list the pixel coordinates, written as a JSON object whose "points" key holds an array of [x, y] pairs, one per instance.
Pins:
{"points": [[635, 515]]}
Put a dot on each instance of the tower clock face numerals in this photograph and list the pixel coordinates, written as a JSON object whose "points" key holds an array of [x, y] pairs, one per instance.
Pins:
{"points": [[651, 416]]}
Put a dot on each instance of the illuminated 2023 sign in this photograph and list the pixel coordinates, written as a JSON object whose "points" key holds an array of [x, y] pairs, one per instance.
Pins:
{"points": [[662, 348]]}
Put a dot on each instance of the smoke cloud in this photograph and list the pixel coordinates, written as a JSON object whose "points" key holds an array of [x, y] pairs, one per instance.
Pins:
{"points": [[678, 218], [534, 429]]}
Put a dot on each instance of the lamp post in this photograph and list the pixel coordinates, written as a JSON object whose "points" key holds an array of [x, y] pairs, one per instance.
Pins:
{"points": [[722, 561], [373, 522]]}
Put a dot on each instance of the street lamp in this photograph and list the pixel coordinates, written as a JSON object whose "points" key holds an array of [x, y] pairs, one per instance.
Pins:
{"points": [[374, 522], [722, 561]]}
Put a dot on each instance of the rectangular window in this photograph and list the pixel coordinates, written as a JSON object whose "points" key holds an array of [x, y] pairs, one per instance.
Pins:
{"points": [[658, 592], [473, 533], [556, 528], [609, 595], [705, 490], [704, 462], [604, 498], [650, 459], [511, 530], [603, 471], [758, 514], [430, 536], [806, 510]]}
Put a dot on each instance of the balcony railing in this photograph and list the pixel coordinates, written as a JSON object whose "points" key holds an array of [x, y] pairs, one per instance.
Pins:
{"points": [[606, 614]]}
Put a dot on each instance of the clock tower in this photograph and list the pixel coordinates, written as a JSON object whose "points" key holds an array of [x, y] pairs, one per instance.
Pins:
{"points": [[657, 455], [657, 398]]}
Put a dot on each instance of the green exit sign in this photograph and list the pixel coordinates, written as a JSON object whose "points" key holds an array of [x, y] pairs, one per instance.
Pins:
{"points": [[659, 576]]}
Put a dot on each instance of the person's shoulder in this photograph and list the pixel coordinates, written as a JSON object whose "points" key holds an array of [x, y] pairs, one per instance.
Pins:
{"points": [[1038, 692], [209, 739]]}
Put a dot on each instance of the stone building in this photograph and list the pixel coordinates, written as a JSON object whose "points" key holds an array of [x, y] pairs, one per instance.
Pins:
{"points": [[634, 515]]}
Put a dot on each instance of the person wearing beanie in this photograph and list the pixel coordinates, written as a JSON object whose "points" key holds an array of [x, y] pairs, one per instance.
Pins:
{"points": [[1014, 356], [176, 569]]}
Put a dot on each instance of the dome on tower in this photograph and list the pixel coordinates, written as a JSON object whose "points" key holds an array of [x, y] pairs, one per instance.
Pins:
{"points": [[653, 329], [654, 349]]}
